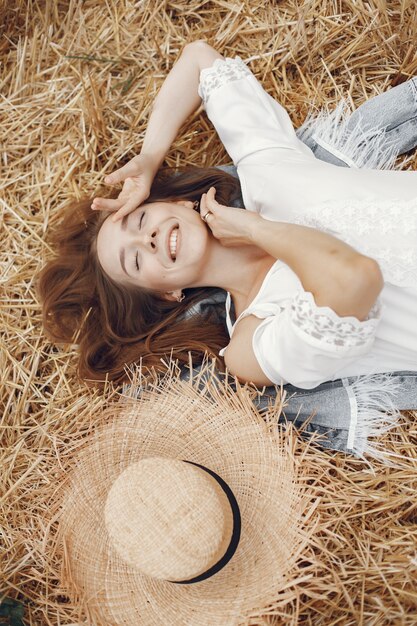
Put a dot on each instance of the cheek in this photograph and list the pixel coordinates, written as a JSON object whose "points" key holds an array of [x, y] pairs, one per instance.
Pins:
{"points": [[153, 278], [196, 243]]}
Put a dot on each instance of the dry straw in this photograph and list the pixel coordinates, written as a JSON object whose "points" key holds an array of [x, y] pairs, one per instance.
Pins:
{"points": [[77, 83]]}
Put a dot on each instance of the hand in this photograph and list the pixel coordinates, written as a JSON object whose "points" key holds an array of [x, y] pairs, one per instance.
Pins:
{"points": [[231, 226], [137, 177]]}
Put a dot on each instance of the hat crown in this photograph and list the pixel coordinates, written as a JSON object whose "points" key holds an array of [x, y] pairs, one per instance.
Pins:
{"points": [[168, 518]]}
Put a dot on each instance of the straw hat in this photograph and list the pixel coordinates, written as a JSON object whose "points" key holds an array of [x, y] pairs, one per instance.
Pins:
{"points": [[185, 509]]}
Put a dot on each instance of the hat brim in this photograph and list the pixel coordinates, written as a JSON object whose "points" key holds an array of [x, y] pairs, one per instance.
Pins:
{"points": [[226, 435]]}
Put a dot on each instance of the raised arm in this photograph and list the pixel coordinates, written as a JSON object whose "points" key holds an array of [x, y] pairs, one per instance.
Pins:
{"points": [[177, 99], [337, 275]]}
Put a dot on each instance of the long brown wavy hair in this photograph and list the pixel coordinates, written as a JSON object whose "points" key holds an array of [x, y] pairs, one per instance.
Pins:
{"points": [[114, 325]]}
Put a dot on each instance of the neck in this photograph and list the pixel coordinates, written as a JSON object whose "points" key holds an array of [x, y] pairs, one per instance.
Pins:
{"points": [[238, 270]]}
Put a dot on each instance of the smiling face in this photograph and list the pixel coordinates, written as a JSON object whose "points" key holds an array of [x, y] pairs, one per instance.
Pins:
{"points": [[160, 246]]}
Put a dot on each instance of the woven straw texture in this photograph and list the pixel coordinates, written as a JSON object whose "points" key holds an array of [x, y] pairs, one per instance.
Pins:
{"points": [[163, 506], [221, 432], [77, 83]]}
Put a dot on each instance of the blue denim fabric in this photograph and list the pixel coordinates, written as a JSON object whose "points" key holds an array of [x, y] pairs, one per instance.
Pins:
{"points": [[330, 407], [325, 410], [394, 112]]}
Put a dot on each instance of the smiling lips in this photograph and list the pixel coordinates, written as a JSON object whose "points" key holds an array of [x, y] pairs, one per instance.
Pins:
{"points": [[173, 243]]}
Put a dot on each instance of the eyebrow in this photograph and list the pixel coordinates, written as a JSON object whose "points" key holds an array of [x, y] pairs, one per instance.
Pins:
{"points": [[122, 260], [123, 226]]}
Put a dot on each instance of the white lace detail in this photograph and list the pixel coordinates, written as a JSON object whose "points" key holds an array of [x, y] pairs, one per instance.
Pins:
{"points": [[383, 230], [222, 71], [324, 324]]}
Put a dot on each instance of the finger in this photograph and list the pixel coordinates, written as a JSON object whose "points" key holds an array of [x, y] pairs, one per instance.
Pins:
{"points": [[120, 175], [127, 208], [106, 204], [202, 206], [205, 212], [210, 200]]}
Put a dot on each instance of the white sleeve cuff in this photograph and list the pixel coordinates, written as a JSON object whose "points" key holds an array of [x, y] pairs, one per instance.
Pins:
{"points": [[222, 71]]}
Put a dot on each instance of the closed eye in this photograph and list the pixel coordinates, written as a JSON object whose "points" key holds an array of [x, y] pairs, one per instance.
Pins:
{"points": [[142, 215]]}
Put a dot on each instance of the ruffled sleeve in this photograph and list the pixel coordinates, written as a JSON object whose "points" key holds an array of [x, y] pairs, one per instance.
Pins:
{"points": [[247, 120], [306, 345]]}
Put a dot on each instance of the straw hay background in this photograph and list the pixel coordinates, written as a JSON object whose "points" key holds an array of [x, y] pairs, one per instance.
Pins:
{"points": [[77, 82]]}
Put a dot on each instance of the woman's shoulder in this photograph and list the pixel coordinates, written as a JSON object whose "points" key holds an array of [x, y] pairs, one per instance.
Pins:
{"points": [[239, 355], [278, 285]]}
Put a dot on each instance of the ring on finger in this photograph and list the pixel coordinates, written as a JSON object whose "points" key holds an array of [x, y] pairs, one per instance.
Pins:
{"points": [[205, 216]]}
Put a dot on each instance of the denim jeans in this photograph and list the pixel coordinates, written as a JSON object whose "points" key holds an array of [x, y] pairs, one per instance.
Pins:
{"points": [[393, 112]]}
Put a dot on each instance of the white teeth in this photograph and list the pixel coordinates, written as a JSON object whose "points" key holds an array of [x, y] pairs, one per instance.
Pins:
{"points": [[173, 243]]}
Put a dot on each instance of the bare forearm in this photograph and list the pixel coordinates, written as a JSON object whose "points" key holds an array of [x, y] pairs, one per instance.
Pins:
{"points": [[336, 274], [177, 100]]}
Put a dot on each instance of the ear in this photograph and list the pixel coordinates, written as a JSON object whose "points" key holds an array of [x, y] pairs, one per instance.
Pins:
{"points": [[173, 296], [187, 203]]}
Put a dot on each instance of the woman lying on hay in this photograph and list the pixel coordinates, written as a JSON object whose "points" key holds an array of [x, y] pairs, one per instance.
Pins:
{"points": [[321, 268]]}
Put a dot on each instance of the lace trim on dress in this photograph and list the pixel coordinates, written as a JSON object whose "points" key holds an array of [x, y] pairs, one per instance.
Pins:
{"points": [[324, 324], [222, 71]]}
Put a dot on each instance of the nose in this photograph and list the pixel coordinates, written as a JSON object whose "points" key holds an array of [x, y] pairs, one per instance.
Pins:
{"points": [[148, 239]]}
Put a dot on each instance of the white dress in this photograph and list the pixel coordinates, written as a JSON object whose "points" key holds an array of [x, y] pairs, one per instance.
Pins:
{"points": [[375, 211]]}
